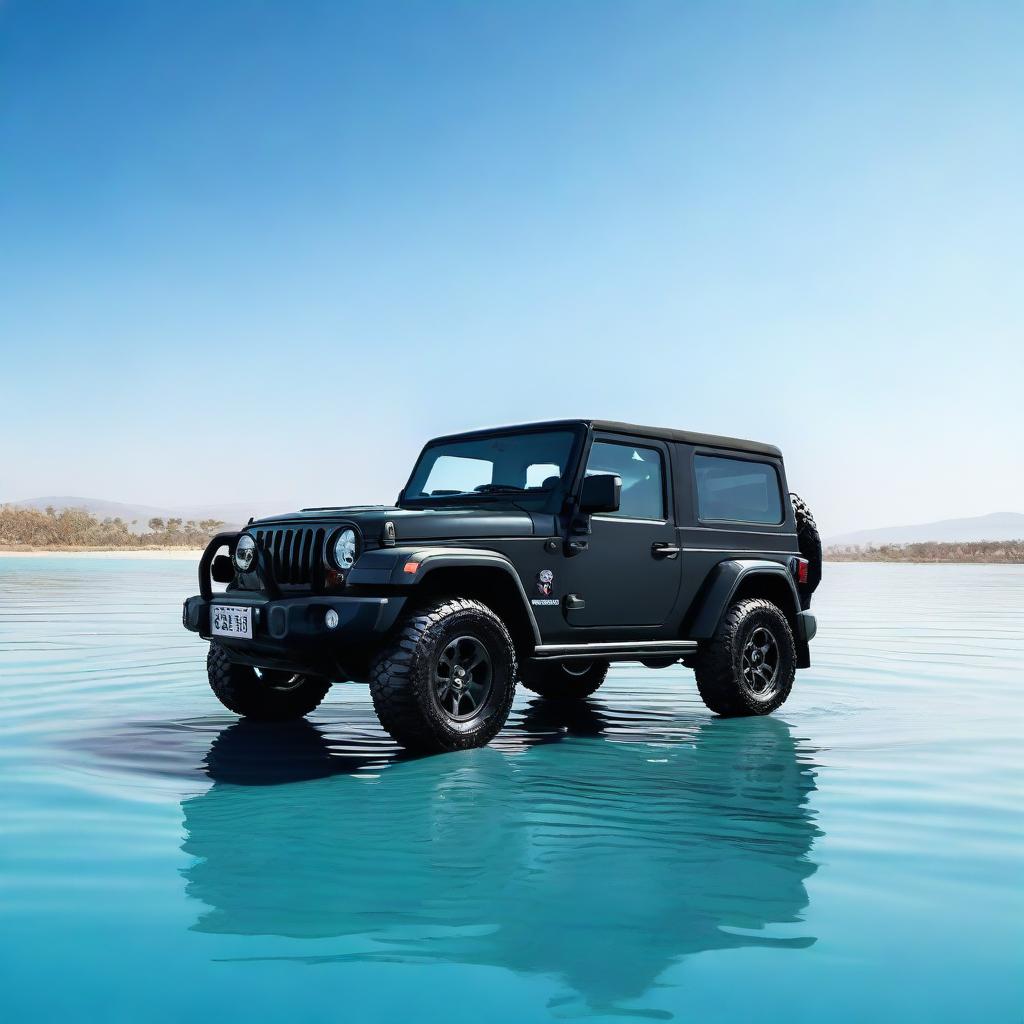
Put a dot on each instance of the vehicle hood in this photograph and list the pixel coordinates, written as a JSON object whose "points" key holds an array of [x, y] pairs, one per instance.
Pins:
{"points": [[415, 525]]}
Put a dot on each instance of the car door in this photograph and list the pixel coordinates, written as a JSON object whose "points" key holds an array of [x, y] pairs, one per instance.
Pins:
{"points": [[629, 574]]}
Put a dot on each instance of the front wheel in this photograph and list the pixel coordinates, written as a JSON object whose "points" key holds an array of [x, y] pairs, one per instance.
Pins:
{"points": [[562, 680], [266, 694], [447, 679], [748, 666]]}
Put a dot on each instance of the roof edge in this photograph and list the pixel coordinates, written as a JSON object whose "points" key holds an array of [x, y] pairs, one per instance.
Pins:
{"points": [[689, 437], [737, 444]]}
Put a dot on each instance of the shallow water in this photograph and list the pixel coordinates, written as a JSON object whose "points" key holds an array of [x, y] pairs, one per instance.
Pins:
{"points": [[856, 856]]}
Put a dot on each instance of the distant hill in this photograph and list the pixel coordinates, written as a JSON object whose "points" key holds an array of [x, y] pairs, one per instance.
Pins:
{"points": [[137, 516], [995, 526]]}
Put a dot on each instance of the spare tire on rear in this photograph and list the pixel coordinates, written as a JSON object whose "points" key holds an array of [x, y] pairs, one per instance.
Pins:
{"points": [[810, 546]]}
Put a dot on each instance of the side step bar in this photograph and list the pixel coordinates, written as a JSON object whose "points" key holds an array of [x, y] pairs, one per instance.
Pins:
{"points": [[622, 650]]}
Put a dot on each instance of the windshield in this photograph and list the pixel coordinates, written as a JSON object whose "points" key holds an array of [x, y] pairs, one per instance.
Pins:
{"points": [[510, 466]]}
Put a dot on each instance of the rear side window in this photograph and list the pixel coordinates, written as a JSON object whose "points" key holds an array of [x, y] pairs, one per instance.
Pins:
{"points": [[737, 490]]}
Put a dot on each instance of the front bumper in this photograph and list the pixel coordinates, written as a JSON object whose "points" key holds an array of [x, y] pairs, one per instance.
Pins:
{"points": [[291, 632]]}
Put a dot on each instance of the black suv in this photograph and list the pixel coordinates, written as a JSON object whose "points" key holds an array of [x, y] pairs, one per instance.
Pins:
{"points": [[539, 553]]}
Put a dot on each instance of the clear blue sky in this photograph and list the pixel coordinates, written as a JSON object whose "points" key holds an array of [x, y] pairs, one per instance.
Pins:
{"points": [[262, 250]]}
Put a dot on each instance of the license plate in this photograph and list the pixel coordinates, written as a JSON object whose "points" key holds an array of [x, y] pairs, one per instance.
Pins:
{"points": [[231, 620]]}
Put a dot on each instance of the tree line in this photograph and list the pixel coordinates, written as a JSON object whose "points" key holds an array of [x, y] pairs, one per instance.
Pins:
{"points": [[930, 551], [77, 528]]}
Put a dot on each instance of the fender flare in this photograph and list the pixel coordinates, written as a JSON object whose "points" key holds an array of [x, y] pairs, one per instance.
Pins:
{"points": [[388, 567], [716, 596]]}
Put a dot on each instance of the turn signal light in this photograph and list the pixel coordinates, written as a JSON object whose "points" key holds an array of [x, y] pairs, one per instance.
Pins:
{"points": [[411, 567]]}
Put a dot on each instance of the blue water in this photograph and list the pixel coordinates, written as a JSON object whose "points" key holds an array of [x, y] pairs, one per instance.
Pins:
{"points": [[855, 857]]}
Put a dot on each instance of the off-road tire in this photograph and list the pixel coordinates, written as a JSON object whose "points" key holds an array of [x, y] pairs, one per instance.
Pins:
{"points": [[563, 680], [809, 540], [403, 677], [271, 696], [719, 662]]}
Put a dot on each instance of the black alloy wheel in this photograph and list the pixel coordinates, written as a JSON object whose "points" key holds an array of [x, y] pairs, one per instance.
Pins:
{"points": [[760, 663], [270, 695], [447, 678], [463, 678], [563, 680], [748, 666]]}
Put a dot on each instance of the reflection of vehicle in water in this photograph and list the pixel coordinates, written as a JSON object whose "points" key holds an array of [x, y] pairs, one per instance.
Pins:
{"points": [[632, 854]]}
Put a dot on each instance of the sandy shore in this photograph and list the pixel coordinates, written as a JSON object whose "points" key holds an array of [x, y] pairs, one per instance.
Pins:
{"points": [[177, 554]]}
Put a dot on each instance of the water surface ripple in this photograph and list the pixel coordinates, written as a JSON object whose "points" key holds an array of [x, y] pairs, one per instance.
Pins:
{"points": [[857, 855]]}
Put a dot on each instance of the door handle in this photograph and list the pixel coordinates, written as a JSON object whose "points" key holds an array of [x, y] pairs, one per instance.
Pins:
{"points": [[660, 550]]}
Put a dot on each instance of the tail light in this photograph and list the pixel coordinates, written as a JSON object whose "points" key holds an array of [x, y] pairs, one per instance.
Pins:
{"points": [[802, 568]]}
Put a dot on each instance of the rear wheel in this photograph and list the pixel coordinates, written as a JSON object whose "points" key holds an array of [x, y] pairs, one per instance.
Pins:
{"points": [[564, 679], [266, 694], [748, 666], [447, 680]]}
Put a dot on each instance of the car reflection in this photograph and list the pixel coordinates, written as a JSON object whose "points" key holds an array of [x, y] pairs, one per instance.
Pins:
{"points": [[602, 853]]}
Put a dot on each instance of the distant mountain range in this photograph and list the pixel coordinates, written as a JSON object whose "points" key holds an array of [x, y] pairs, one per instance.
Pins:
{"points": [[995, 526], [137, 516]]}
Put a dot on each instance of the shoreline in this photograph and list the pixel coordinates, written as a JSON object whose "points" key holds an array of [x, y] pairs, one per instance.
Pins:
{"points": [[194, 554], [923, 561], [169, 554]]}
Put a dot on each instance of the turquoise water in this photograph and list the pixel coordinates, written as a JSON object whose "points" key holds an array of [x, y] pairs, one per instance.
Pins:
{"points": [[855, 857]]}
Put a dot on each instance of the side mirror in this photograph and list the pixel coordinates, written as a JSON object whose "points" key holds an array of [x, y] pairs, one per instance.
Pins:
{"points": [[601, 493]]}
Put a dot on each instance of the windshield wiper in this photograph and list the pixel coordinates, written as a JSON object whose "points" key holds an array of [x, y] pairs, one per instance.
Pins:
{"points": [[489, 493]]}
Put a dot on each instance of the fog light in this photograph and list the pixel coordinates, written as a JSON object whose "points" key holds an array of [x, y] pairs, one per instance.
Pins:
{"points": [[331, 619]]}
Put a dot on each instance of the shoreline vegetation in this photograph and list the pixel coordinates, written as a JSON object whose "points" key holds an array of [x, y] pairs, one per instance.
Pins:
{"points": [[28, 530], [970, 552], [117, 554]]}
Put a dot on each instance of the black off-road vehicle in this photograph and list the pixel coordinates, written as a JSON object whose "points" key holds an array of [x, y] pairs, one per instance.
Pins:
{"points": [[538, 553]]}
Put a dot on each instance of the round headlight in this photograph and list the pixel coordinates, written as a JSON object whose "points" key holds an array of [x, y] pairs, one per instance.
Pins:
{"points": [[345, 546], [245, 553]]}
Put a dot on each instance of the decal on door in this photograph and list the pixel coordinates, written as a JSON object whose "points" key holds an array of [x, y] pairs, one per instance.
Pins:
{"points": [[545, 587]]}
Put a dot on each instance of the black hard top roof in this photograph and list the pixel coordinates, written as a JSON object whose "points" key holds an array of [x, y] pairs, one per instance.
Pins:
{"points": [[614, 426]]}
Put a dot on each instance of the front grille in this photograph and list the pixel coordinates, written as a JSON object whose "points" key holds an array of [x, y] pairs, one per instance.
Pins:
{"points": [[293, 555]]}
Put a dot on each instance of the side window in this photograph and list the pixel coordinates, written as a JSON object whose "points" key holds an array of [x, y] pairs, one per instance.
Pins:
{"points": [[643, 491], [737, 490]]}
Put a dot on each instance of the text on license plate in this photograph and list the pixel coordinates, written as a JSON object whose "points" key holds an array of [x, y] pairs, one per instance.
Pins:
{"points": [[231, 620]]}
